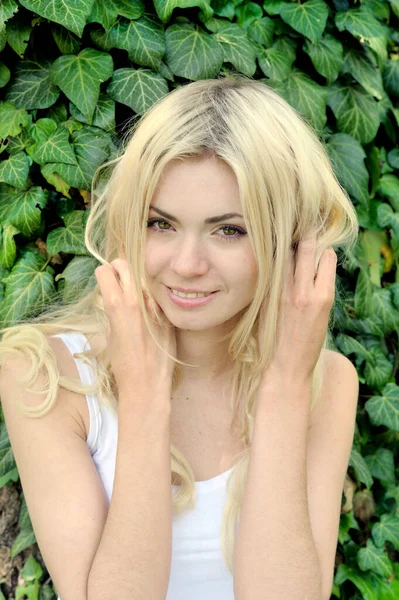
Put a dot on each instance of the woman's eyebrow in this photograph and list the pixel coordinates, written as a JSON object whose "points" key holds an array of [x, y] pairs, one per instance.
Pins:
{"points": [[211, 220]]}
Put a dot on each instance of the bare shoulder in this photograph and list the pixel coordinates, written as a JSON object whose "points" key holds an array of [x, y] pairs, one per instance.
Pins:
{"points": [[69, 406], [75, 404], [339, 365], [340, 386]]}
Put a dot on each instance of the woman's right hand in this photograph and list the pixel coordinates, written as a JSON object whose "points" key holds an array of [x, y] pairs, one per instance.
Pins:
{"points": [[137, 362]]}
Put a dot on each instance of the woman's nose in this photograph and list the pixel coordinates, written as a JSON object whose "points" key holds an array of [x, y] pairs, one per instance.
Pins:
{"points": [[190, 259]]}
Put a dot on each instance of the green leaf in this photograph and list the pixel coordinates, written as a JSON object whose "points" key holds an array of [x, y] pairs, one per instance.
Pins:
{"points": [[369, 77], [56, 181], [5, 74], [375, 559], [309, 18], [67, 42], [286, 45], [104, 13], [361, 468], [261, 31], [393, 158], [79, 277], [192, 53], [3, 38], [384, 319], [165, 8], [388, 218], [55, 149], [348, 345], [389, 188], [128, 9], [237, 48], [224, 8], [306, 96], [363, 295], [387, 529], [390, 77], [164, 70], [139, 89], [379, 8], [275, 64], [7, 9], [144, 40], [19, 143], [18, 33], [8, 247], [326, 55], [15, 170], [381, 462], [361, 23], [32, 570], [91, 148], [378, 374], [69, 239], [58, 113], [371, 242], [29, 287], [347, 157], [26, 536], [370, 586], [374, 168], [22, 208], [395, 6], [247, 13], [31, 86], [104, 114], [274, 7], [72, 14], [79, 77], [355, 110], [347, 521], [41, 130]]}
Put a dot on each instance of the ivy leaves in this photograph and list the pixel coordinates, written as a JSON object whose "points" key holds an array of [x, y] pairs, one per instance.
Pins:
{"points": [[79, 77], [343, 89], [346, 48], [335, 62], [72, 14]]}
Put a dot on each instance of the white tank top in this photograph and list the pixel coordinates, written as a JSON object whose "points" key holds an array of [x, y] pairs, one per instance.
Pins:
{"points": [[198, 571]]}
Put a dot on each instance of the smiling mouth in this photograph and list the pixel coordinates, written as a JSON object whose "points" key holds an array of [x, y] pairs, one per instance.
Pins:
{"points": [[190, 294]]}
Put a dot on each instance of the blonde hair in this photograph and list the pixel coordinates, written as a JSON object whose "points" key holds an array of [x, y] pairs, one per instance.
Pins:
{"points": [[287, 189]]}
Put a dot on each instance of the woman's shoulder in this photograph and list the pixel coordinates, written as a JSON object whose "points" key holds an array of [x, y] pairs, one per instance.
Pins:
{"points": [[74, 403]]}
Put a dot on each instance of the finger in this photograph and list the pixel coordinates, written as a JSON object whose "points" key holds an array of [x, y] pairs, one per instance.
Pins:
{"points": [[326, 273], [289, 275], [305, 264], [121, 271], [121, 267], [109, 287]]}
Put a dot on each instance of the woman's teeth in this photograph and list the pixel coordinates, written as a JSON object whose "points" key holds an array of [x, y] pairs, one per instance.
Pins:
{"points": [[182, 295]]}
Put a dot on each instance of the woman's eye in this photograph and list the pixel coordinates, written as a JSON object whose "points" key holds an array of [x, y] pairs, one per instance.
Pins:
{"points": [[233, 231], [151, 222], [230, 228]]}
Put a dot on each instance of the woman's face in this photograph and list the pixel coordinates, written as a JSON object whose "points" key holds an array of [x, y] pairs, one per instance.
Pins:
{"points": [[184, 251]]}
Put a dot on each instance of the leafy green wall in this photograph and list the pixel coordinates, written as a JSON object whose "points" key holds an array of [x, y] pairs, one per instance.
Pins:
{"points": [[73, 72]]}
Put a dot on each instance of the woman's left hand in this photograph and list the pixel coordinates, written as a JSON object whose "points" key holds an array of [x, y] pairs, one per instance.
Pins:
{"points": [[305, 307]]}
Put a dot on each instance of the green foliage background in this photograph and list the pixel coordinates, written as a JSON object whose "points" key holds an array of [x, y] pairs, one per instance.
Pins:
{"points": [[73, 71]]}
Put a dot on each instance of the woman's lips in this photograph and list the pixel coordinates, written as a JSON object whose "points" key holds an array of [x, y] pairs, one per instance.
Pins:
{"points": [[189, 302]]}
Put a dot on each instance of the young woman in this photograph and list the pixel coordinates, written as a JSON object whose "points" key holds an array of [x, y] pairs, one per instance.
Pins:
{"points": [[194, 429]]}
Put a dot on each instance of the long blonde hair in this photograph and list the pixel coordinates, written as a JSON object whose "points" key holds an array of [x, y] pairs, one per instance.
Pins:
{"points": [[287, 189]]}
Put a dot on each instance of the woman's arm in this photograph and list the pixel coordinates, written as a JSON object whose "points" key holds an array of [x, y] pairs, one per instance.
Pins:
{"points": [[275, 555], [133, 559]]}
